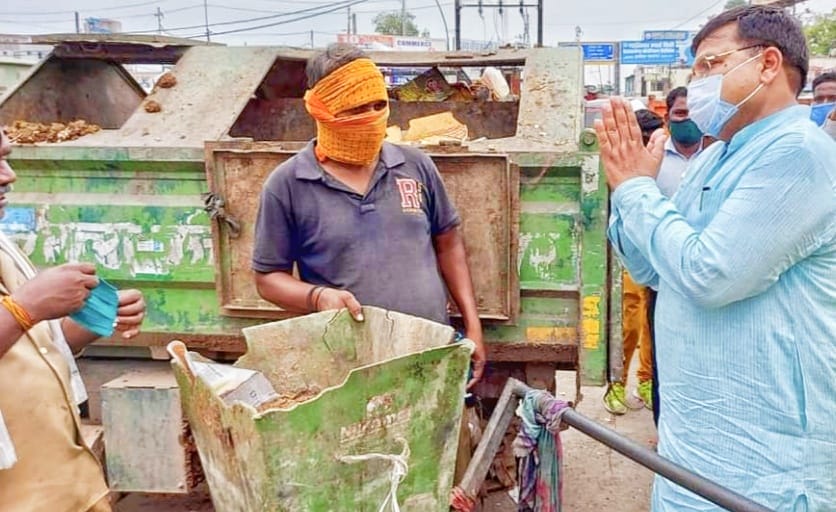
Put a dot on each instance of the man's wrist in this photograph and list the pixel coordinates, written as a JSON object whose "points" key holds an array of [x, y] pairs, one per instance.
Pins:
{"points": [[627, 187]]}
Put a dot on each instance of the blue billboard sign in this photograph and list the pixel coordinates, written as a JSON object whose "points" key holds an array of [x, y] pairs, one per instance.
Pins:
{"points": [[595, 52], [671, 35], [649, 52], [683, 39]]}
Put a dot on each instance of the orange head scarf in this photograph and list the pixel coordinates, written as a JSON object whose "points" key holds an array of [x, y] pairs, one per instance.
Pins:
{"points": [[355, 139]]}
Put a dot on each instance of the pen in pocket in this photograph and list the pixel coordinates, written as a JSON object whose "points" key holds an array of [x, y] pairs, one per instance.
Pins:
{"points": [[702, 195]]}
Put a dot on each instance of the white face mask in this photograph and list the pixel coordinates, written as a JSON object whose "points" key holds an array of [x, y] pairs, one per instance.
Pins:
{"points": [[830, 127], [707, 108]]}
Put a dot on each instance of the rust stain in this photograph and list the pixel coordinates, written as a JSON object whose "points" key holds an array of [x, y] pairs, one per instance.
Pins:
{"points": [[194, 470]]}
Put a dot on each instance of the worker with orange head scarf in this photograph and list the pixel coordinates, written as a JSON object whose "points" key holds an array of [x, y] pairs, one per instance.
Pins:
{"points": [[364, 221]]}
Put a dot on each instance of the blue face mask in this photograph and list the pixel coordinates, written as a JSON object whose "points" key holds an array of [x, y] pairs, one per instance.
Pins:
{"points": [[818, 113], [707, 108]]}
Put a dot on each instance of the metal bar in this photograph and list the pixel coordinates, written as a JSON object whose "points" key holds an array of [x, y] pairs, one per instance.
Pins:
{"points": [[709, 490], [458, 22], [540, 23], [482, 459]]}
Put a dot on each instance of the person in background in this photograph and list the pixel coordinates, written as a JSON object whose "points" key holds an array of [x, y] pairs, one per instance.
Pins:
{"points": [[824, 97], [685, 142], [744, 258], [44, 463], [635, 327], [830, 124]]}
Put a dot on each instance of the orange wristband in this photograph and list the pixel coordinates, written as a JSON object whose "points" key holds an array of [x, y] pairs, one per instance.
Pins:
{"points": [[23, 318]]}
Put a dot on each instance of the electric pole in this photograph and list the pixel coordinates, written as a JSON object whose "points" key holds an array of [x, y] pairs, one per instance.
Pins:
{"points": [[77, 23], [159, 15], [206, 19], [461, 4], [403, 17]]}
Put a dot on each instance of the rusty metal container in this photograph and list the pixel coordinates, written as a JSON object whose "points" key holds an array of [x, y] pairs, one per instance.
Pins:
{"points": [[383, 423]]}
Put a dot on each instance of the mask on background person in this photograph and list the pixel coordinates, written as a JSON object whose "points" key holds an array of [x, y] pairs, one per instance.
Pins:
{"points": [[685, 132], [706, 105], [818, 113], [830, 128]]}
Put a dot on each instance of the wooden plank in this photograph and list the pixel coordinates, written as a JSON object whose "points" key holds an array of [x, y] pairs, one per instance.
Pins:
{"points": [[492, 436]]}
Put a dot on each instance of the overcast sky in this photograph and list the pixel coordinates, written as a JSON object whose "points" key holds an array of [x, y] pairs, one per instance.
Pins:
{"points": [[599, 20], [290, 22]]}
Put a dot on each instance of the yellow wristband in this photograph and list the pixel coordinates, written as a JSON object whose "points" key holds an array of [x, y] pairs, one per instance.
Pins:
{"points": [[23, 318]]}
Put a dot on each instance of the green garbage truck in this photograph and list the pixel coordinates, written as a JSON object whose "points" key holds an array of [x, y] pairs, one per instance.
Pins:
{"points": [[163, 198]]}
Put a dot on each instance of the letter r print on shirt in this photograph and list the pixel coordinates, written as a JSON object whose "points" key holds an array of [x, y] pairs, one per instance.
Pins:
{"points": [[411, 195]]}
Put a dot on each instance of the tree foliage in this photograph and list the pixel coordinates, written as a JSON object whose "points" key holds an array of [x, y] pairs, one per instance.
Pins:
{"points": [[392, 23], [731, 4], [821, 33]]}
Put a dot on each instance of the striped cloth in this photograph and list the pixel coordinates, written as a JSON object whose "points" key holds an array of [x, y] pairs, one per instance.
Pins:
{"points": [[540, 453], [744, 258]]}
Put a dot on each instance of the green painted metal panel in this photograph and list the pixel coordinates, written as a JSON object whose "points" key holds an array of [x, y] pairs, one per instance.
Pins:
{"points": [[388, 382], [594, 272], [141, 222], [548, 251], [137, 213]]}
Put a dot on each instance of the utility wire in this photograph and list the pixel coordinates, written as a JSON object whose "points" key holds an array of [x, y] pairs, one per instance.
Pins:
{"points": [[712, 6], [284, 22], [111, 8], [418, 8], [342, 5]]}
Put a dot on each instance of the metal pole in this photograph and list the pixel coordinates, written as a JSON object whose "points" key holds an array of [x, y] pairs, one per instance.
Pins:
{"points": [[403, 17], [675, 473], [206, 19], [458, 22], [348, 23], [312, 40], [159, 16], [77, 24], [540, 23], [354, 23], [617, 64]]}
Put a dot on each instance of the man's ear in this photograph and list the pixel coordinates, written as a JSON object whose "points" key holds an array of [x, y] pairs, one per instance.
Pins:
{"points": [[772, 62]]}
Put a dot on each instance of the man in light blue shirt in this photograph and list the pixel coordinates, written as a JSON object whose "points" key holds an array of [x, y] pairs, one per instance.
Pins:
{"points": [[685, 143], [744, 258]]}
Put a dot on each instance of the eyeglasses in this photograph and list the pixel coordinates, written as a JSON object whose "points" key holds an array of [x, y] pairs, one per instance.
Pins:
{"points": [[703, 64]]}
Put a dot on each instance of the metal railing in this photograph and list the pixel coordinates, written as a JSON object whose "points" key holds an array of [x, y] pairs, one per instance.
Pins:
{"points": [[515, 390]]}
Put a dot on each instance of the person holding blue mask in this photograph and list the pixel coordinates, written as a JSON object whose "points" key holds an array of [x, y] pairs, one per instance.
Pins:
{"points": [[743, 257], [824, 97]]}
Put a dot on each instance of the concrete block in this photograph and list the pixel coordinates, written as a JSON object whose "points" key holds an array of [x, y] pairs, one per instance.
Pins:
{"points": [[148, 443]]}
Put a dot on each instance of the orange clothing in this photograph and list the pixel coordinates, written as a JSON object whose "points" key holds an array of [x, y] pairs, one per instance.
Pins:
{"points": [[635, 328], [353, 139]]}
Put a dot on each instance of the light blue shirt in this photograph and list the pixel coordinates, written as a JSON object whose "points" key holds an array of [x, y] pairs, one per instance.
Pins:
{"points": [[674, 165], [744, 258]]}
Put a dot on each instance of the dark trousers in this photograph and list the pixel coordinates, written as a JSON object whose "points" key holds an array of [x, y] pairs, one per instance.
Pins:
{"points": [[651, 314]]}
